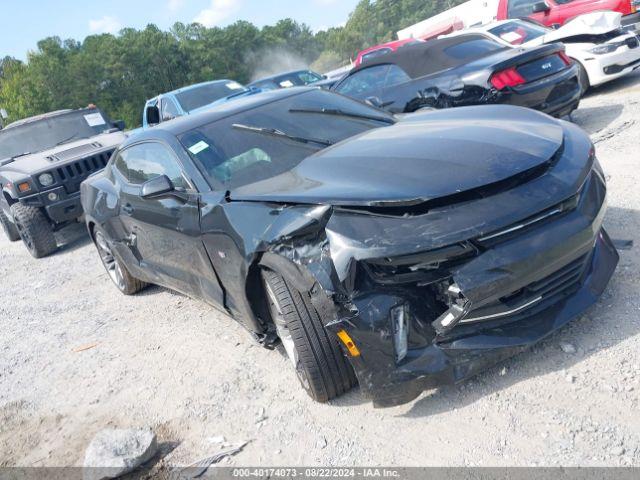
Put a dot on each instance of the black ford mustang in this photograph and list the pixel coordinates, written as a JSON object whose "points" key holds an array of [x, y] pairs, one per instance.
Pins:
{"points": [[401, 254], [467, 70]]}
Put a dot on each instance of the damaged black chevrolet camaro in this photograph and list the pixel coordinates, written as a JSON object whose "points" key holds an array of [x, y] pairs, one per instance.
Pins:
{"points": [[400, 255]]}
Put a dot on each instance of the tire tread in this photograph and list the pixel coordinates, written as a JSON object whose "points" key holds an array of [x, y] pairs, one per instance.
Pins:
{"points": [[327, 369], [33, 220]]}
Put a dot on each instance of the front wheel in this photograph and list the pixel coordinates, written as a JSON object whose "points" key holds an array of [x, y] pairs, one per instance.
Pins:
{"points": [[320, 364], [34, 229], [9, 228], [122, 279]]}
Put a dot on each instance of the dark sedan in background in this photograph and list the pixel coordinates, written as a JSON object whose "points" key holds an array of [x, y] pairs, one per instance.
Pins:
{"points": [[467, 70], [401, 254]]}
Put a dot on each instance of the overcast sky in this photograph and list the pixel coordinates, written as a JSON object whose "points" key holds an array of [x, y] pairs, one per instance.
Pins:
{"points": [[24, 22]]}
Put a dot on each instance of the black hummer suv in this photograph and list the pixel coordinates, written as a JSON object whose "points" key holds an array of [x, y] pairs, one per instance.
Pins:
{"points": [[43, 160]]}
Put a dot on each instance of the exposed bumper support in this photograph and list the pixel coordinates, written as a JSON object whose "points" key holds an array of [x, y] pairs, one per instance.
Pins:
{"points": [[458, 359]]}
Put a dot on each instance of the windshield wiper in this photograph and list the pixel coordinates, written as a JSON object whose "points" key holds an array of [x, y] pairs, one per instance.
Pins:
{"points": [[343, 113], [273, 132], [72, 137]]}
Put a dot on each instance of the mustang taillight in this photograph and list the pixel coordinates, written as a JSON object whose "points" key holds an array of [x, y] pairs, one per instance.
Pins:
{"points": [[507, 78], [565, 58]]}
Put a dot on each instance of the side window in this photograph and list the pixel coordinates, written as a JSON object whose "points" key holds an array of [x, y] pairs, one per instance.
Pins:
{"points": [[120, 165], [396, 76], [146, 161], [376, 53], [365, 83], [520, 8], [308, 78], [169, 110]]}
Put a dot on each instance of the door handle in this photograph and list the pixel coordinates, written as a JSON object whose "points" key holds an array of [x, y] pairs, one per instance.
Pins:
{"points": [[127, 208]]}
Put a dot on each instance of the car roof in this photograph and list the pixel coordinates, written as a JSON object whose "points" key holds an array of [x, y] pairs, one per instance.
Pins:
{"points": [[43, 116], [218, 112], [191, 87], [423, 58]]}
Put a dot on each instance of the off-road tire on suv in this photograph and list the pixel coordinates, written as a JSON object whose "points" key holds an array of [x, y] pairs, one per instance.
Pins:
{"points": [[9, 228], [122, 279], [322, 368], [34, 229]]}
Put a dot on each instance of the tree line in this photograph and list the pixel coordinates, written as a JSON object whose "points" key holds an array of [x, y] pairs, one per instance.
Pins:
{"points": [[119, 72]]}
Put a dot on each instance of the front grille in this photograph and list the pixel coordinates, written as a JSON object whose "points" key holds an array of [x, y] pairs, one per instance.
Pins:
{"points": [[73, 173], [563, 281], [527, 224], [559, 281]]}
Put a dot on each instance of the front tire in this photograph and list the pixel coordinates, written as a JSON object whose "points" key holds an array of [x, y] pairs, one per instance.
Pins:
{"points": [[323, 370], [122, 279], [34, 229], [9, 228]]}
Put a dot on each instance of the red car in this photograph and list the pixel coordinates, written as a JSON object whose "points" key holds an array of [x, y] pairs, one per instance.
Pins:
{"points": [[383, 49], [555, 13]]}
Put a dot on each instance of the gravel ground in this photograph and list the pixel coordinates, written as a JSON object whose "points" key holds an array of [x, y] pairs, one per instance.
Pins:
{"points": [[191, 373]]}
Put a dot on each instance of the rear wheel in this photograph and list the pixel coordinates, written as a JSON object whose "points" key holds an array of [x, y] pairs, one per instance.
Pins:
{"points": [[584, 79], [9, 228], [34, 229], [322, 368], [118, 273]]}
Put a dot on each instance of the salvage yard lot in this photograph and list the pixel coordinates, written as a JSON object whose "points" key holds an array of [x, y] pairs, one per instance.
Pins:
{"points": [[76, 357]]}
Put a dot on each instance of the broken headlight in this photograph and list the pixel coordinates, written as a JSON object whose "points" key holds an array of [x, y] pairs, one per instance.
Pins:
{"points": [[604, 49], [400, 329]]}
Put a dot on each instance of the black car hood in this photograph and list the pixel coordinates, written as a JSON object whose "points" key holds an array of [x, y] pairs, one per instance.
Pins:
{"points": [[423, 157]]}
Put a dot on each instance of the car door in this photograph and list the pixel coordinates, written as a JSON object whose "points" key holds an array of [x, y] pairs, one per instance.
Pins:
{"points": [[400, 91], [164, 231]]}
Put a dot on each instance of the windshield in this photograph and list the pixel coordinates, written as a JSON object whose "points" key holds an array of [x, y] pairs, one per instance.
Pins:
{"points": [[206, 94], [269, 140], [297, 79], [517, 33], [47, 133]]}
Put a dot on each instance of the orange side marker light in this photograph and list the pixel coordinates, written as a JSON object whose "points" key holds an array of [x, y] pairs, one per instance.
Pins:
{"points": [[349, 343]]}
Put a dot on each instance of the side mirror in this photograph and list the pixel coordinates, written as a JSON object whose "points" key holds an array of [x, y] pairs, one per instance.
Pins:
{"points": [[157, 186], [541, 7], [120, 125], [374, 102], [153, 115]]}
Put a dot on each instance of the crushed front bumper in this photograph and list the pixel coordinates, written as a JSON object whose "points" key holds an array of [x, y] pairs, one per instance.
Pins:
{"points": [[528, 280], [610, 66], [458, 359]]}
